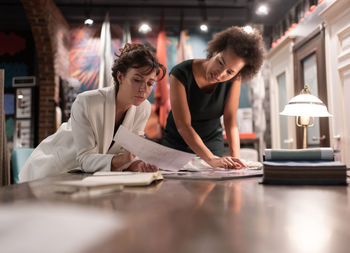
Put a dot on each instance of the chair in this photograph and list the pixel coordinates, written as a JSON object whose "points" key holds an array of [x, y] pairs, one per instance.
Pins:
{"points": [[18, 158]]}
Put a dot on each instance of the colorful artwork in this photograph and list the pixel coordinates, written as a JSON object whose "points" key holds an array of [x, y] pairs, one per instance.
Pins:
{"points": [[85, 57]]}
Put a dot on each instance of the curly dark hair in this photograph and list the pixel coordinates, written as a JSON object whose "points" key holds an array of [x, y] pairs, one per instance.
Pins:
{"points": [[247, 45], [136, 56]]}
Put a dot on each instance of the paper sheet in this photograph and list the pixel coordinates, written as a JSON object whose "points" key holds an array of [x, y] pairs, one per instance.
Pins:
{"points": [[198, 164], [151, 152], [215, 174]]}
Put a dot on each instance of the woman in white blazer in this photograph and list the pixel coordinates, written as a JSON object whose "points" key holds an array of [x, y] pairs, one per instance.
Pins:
{"points": [[86, 141]]}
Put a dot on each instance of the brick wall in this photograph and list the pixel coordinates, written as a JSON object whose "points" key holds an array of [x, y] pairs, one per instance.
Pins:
{"points": [[51, 35]]}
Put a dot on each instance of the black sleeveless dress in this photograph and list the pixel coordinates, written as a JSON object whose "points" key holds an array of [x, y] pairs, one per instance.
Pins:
{"points": [[205, 108]]}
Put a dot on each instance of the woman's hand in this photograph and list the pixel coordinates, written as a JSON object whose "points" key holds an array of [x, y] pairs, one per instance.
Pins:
{"points": [[227, 162], [141, 166], [121, 159]]}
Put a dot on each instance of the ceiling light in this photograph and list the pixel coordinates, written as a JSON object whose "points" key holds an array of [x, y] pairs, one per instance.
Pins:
{"points": [[248, 29], [262, 10], [204, 28], [144, 28], [88, 21]]}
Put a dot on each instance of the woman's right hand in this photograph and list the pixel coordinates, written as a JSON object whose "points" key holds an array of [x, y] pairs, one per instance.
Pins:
{"points": [[121, 159], [141, 166], [226, 162]]}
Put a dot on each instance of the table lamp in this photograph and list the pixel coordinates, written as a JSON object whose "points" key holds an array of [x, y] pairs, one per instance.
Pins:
{"points": [[305, 107]]}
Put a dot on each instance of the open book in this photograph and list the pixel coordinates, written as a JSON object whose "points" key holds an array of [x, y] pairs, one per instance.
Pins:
{"points": [[108, 183]]}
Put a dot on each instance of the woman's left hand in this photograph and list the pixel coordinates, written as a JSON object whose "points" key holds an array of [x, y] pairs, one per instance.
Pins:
{"points": [[227, 162], [141, 166], [239, 163]]}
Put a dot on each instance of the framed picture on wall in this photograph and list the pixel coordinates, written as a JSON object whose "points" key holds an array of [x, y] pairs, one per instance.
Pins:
{"points": [[23, 103], [22, 137]]}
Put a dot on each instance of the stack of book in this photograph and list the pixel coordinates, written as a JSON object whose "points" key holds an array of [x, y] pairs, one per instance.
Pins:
{"points": [[314, 166]]}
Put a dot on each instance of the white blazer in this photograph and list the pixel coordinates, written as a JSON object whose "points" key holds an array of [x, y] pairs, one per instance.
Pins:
{"points": [[84, 141]]}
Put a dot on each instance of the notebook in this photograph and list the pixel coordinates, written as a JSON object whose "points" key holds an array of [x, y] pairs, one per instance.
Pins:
{"points": [[108, 183]]}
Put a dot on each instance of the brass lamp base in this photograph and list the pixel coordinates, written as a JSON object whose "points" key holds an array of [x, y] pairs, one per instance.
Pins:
{"points": [[304, 136], [304, 122]]}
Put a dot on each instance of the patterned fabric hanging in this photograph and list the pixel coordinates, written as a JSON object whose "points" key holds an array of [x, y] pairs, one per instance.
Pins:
{"points": [[161, 94]]}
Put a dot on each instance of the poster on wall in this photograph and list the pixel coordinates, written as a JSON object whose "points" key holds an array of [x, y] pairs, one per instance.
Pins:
{"points": [[23, 103]]}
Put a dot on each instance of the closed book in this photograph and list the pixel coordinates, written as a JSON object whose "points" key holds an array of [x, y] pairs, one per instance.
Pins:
{"points": [[304, 172], [309, 154]]}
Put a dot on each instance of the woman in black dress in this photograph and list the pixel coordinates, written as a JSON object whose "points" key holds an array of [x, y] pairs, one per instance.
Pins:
{"points": [[202, 90]]}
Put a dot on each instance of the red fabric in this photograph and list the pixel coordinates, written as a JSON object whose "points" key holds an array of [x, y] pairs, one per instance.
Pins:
{"points": [[161, 94], [244, 135], [247, 135]]}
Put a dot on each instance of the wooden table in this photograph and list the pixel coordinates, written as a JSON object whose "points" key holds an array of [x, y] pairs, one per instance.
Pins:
{"points": [[239, 215]]}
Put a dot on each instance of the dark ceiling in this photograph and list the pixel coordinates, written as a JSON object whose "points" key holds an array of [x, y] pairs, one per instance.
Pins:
{"points": [[217, 13]]}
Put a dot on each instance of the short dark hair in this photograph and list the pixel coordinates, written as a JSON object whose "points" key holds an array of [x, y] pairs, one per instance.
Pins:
{"points": [[136, 56], [247, 45]]}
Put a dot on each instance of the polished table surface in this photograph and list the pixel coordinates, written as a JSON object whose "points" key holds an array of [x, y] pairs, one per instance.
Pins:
{"points": [[237, 215]]}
